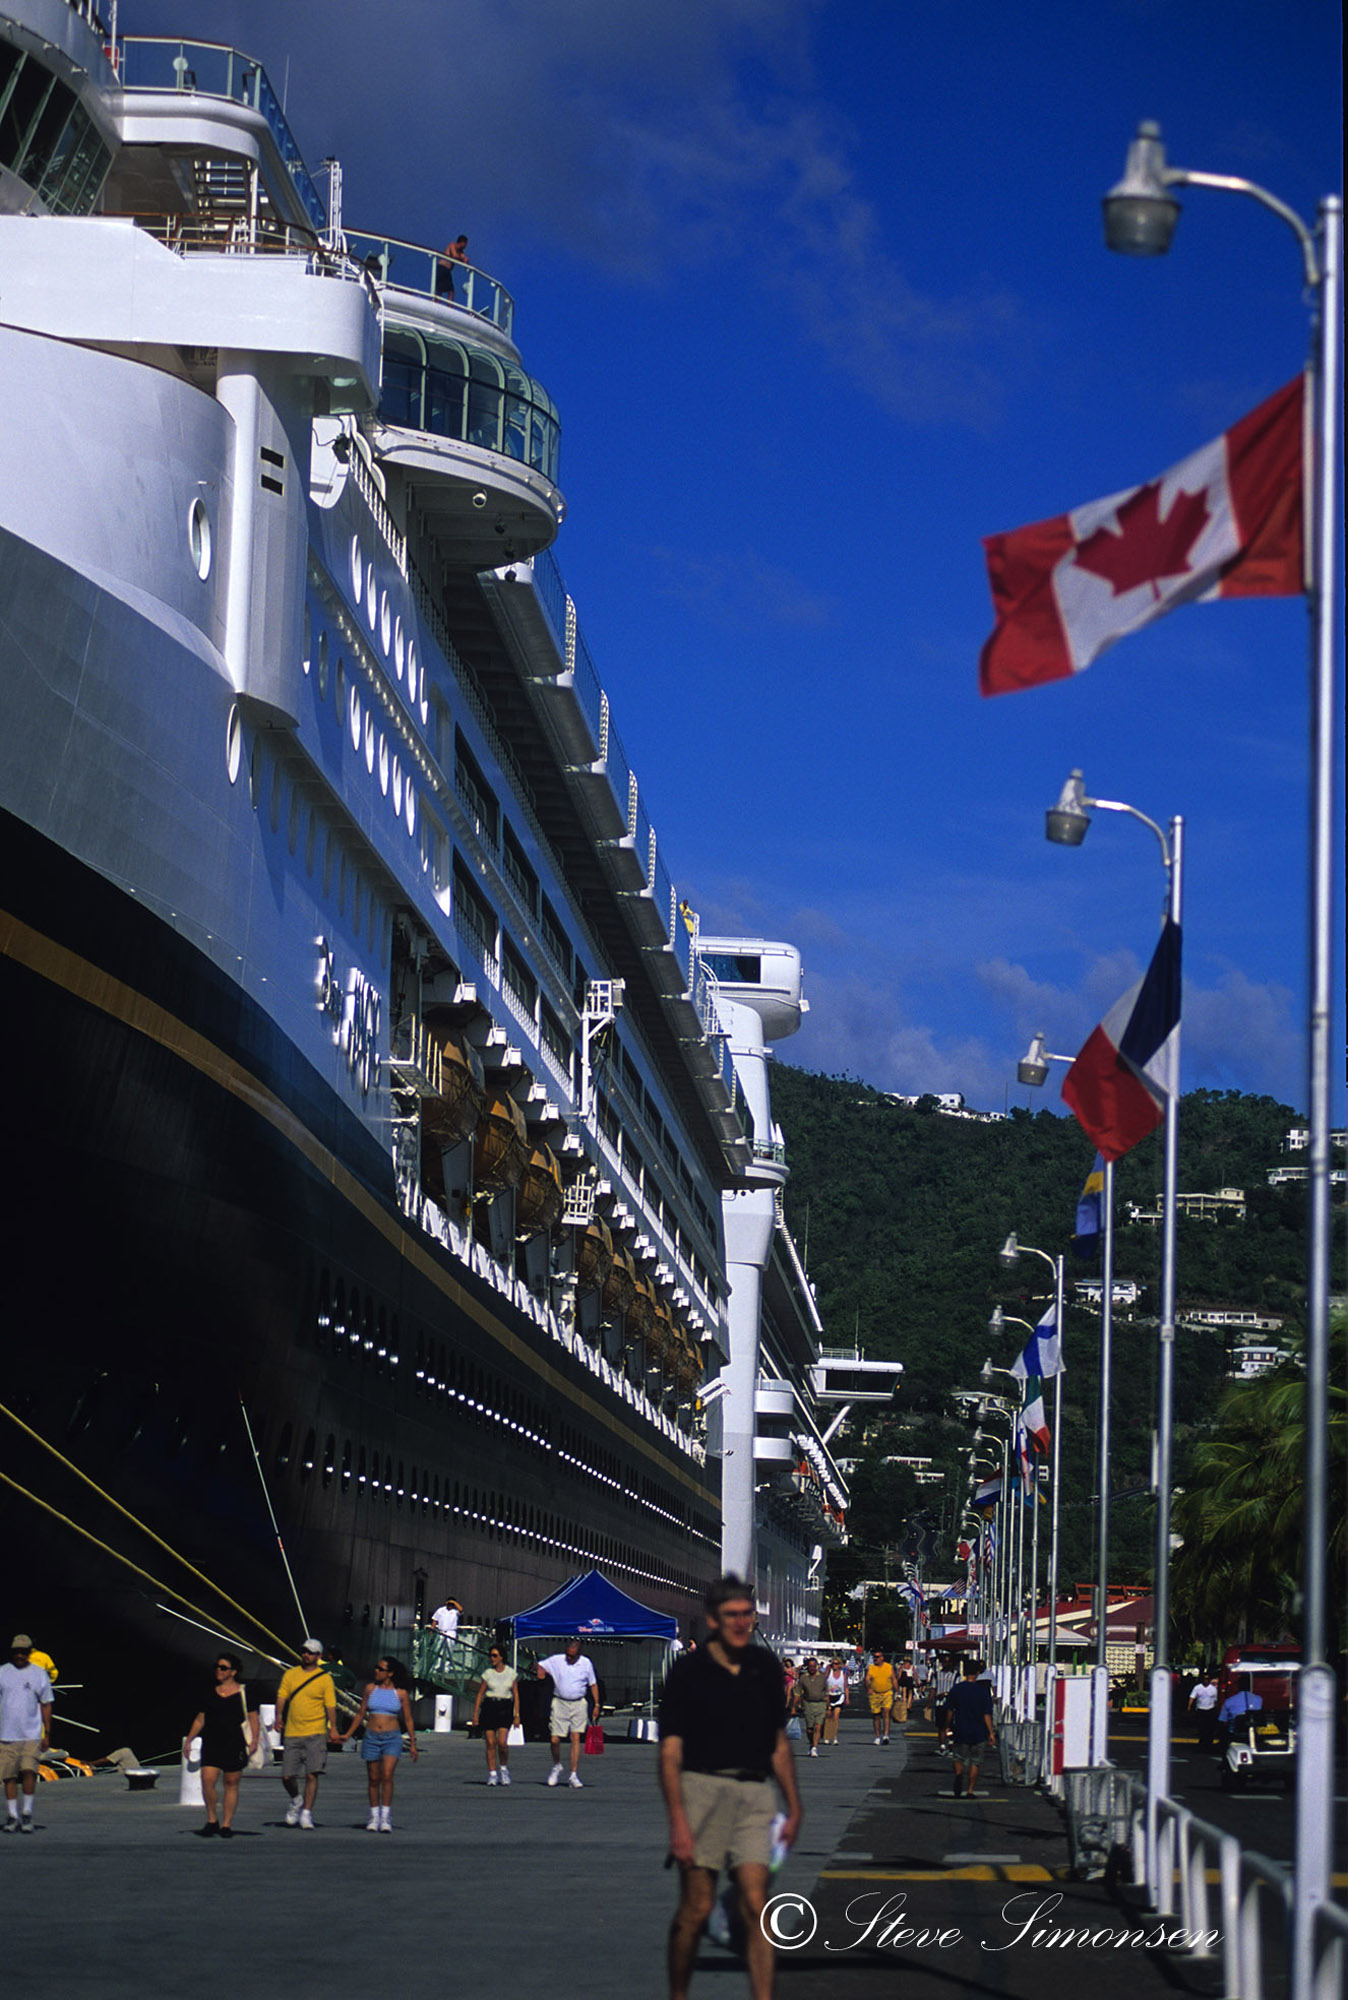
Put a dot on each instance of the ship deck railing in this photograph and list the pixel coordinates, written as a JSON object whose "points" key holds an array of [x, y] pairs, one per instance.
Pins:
{"points": [[415, 267], [242, 236], [452, 1665]]}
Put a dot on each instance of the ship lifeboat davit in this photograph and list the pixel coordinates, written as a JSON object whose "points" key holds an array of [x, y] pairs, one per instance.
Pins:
{"points": [[594, 1256], [538, 1198], [501, 1149], [641, 1312], [452, 1117], [621, 1288]]}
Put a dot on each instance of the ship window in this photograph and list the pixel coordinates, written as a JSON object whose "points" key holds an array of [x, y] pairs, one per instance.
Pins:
{"points": [[361, 1479], [329, 1460], [234, 744], [346, 1466], [519, 874], [308, 1455], [283, 1449], [323, 666], [199, 542], [22, 109], [475, 792], [517, 976], [554, 938]]}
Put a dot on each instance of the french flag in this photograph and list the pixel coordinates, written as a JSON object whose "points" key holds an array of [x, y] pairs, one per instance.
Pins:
{"points": [[1224, 522], [1119, 1084]]}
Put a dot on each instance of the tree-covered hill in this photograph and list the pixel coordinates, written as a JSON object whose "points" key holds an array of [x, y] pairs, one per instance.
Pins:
{"points": [[900, 1212]]}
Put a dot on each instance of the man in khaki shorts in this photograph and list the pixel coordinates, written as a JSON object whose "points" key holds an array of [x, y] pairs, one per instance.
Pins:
{"points": [[575, 1704], [722, 1741], [25, 1730], [306, 1715]]}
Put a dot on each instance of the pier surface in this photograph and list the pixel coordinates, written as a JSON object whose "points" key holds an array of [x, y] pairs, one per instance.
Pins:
{"points": [[551, 1891]]}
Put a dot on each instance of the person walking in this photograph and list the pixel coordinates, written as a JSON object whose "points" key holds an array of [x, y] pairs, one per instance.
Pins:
{"points": [[903, 1694], [968, 1713], [497, 1708], [386, 1712], [810, 1701], [1203, 1703], [229, 1733], [722, 1740], [306, 1715], [25, 1730], [880, 1696], [575, 1700], [836, 1681]]}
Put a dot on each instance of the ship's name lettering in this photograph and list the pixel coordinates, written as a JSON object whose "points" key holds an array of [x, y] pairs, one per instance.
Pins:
{"points": [[355, 1011]]}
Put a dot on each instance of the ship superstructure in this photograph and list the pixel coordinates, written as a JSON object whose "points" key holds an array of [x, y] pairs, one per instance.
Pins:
{"points": [[398, 1095]]}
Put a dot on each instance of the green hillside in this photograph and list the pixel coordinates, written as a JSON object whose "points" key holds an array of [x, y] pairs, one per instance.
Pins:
{"points": [[900, 1212]]}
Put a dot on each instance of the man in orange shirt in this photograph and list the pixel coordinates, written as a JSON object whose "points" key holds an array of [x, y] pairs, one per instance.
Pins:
{"points": [[880, 1694]]}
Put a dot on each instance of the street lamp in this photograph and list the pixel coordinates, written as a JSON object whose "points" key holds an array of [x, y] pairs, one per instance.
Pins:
{"points": [[1135, 221], [1008, 1257], [1158, 1725]]}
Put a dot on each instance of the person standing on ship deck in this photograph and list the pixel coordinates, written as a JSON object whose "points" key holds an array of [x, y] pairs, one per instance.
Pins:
{"points": [[228, 1729], [386, 1712], [574, 1685], [25, 1730], [306, 1715]]}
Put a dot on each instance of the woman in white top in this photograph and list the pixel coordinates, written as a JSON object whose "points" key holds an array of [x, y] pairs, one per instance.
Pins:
{"points": [[836, 1678], [498, 1709]]}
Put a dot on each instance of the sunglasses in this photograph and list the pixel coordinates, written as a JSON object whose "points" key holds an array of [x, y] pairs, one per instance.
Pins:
{"points": [[224, 1666]]}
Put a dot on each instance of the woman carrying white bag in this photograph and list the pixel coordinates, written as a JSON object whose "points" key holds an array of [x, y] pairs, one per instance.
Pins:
{"points": [[497, 1708]]}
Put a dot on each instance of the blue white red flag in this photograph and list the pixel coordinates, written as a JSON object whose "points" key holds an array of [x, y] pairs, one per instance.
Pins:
{"points": [[1119, 1084], [1041, 1355], [1033, 1424], [989, 1493]]}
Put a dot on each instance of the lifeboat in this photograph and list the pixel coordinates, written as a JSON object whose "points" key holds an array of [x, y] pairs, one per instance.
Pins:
{"points": [[452, 1116], [538, 1199], [621, 1288], [594, 1256], [660, 1339], [641, 1312], [501, 1147]]}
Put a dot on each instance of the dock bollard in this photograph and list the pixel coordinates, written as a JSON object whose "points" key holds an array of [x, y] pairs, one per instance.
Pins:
{"points": [[189, 1782], [444, 1714]]}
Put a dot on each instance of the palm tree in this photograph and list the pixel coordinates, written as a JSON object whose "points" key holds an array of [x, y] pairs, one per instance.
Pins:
{"points": [[1236, 1578]]}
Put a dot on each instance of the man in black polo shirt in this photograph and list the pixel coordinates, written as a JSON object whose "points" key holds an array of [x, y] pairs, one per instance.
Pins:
{"points": [[722, 1739], [968, 1714]]}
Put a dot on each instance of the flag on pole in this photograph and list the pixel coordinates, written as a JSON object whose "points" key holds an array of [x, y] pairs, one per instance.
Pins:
{"points": [[1090, 1204], [1041, 1356], [989, 1493], [1224, 522], [1033, 1424], [1118, 1086]]}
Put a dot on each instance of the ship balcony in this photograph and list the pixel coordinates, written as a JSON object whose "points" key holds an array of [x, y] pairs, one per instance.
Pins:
{"points": [[414, 279], [479, 438]]}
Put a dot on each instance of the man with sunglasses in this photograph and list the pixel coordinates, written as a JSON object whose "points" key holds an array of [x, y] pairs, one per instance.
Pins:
{"points": [[722, 1741], [306, 1715], [25, 1730]]}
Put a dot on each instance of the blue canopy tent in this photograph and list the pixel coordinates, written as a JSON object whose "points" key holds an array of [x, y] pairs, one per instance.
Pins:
{"points": [[589, 1607]]}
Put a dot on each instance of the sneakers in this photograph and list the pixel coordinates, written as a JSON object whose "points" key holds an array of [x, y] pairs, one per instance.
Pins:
{"points": [[574, 1781], [373, 1823], [306, 1819], [26, 1823], [11, 1823], [813, 1751], [505, 1775], [386, 1826], [293, 1811], [492, 1778], [555, 1775]]}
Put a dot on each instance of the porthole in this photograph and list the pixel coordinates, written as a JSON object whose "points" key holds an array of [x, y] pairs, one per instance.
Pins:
{"points": [[323, 666], [357, 566], [410, 809], [397, 788], [369, 742], [383, 765], [398, 647], [308, 1455], [283, 1449], [199, 537], [371, 595], [346, 1467], [412, 671], [353, 716], [234, 744], [329, 1460], [306, 658], [385, 622]]}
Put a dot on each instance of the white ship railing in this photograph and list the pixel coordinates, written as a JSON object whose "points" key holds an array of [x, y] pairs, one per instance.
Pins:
{"points": [[415, 267], [363, 480]]}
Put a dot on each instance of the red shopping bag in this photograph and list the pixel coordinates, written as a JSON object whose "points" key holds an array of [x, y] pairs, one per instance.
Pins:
{"points": [[594, 1741]]}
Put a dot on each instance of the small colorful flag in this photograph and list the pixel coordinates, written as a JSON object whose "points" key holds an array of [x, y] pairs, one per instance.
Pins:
{"points": [[1224, 522], [1118, 1086], [1041, 1356], [1090, 1208]]}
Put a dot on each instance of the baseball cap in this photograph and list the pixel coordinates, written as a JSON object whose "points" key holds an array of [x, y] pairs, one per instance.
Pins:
{"points": [[311, 1646], [21, 1643]]}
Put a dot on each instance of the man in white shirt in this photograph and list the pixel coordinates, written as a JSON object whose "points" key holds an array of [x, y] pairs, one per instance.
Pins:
{"points": [[446, 1619], [575, 1701], [25, 1730], [1203, 1701]]}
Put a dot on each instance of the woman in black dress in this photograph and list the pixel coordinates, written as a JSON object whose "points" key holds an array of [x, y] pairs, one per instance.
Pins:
{"points": [[228, 1729]]}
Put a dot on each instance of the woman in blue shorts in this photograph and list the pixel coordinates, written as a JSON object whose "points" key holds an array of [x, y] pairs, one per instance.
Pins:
{"points": [[386, 1712]]}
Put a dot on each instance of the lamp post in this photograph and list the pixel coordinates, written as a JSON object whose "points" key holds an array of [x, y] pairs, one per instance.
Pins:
{"points": [[998, 1324], [1067, 825], [1013, 1524], [1032, 1069], [1140, 218], [1008, 1257]]}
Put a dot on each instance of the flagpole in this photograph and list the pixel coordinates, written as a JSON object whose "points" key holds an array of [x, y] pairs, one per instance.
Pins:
{"points": [[1100, 1705]]}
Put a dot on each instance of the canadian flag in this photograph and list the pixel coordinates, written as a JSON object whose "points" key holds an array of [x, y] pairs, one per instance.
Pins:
{"points": [[1225, 522]]}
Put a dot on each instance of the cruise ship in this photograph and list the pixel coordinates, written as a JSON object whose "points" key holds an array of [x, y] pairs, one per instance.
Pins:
{"points": [[397, 1203]]}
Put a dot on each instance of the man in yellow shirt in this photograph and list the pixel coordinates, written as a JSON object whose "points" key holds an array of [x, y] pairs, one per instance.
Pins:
{"points": [[880, 1694], [306, 1715]]}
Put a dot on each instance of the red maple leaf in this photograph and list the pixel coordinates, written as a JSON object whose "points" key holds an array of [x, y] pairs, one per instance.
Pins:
{"points": [[1144, 548]]}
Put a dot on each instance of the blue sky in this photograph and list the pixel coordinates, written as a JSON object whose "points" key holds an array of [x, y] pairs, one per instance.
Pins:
{"points": [[819, 289]]}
